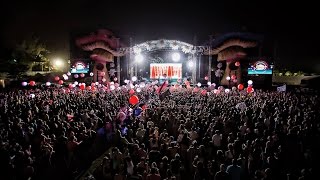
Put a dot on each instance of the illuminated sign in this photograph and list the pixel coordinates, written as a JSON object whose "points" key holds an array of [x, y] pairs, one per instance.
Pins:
{"points": [[165, 70], [260, 67]]}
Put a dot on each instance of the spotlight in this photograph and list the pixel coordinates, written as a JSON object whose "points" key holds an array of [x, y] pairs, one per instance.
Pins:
{"points": [[176, 57], [138, 58], [137, 50], [250, 82], [190, 64], [134, 78]]}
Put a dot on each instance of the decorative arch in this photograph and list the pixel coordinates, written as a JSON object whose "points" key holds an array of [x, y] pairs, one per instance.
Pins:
{"points": [[164, 44], [104, 46]]}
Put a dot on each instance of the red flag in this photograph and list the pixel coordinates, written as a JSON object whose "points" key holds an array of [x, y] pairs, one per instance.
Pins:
{"points": [[162, 87]]}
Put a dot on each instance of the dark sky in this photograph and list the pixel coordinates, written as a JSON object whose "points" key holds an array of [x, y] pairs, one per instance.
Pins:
{"points": [[292, 25]]}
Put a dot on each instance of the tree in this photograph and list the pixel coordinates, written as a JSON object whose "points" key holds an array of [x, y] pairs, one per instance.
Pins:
{"points": [[300, 73], [25, 55], [288, 73]]}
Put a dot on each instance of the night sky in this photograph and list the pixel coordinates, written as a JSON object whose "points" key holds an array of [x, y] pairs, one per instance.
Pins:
{"points": [[292, 26]]}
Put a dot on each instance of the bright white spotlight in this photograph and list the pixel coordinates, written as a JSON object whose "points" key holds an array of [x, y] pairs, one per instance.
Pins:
{"points": [[209, 83], [190, 64], [134, 78], [228, 78], [176, 57], [137, 50], [58, 62], [227, 90], [138, 58], [199, 84], [250, 82]]}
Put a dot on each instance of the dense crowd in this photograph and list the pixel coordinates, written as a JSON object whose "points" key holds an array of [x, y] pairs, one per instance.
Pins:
{"points": [[54, 134]]}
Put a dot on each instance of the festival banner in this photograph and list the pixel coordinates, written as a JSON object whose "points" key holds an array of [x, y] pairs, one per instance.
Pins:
{"points": [[165, 70]]}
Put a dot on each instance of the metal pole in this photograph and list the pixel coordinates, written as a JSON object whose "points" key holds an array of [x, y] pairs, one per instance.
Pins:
{"points": [[118, 69], [135, 69], [118, 63], [130, 60], [210, 59], [199, 66], [194, 70]]}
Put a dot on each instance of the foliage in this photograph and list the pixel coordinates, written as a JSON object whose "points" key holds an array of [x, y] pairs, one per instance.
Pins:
{"points": [[300, 73], [288, 73], [278, 72], [30, 51], [24, 56]]}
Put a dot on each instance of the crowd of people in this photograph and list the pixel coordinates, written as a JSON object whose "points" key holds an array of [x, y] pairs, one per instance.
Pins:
{"points": [[51, 133]]}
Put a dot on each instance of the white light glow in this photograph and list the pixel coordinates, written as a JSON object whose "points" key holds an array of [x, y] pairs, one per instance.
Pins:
{"points": [[209, 83], [190, 64], [250, 82], [58, 62], [138, 58], [137, 50], [228, 78], [199, 84], [134, 78], [176, 57]]}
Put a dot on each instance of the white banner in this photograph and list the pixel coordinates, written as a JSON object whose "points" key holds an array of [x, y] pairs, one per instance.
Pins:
{"points": [[171, 70]]}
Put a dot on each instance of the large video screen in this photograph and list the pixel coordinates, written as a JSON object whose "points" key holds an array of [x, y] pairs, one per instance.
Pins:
{"points": [[259, 67], [165, 70], [80, 67]]}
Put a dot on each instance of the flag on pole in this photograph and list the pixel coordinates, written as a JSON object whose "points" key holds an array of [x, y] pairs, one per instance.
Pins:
{"points": [[162, 87], [282, 88]]}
